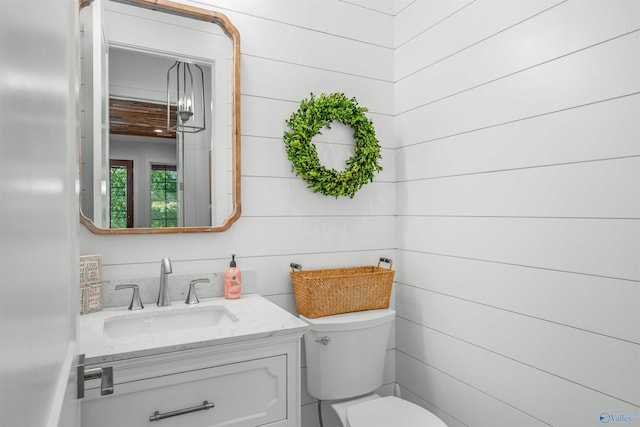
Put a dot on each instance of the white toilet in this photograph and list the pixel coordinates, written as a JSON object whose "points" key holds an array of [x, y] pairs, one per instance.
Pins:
{"points": [[345, 363]]}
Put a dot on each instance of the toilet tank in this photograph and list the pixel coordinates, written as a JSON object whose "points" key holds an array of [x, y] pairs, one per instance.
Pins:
{"points": [[345, 353]]}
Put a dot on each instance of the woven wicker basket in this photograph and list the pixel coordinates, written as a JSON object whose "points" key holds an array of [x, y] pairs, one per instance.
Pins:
{"points": [[341, 290]]}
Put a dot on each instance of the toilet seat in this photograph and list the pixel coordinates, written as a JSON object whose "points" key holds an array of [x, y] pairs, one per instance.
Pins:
{"points": [[390, 412]]}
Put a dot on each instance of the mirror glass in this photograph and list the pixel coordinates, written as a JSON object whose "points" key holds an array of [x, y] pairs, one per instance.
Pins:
{"points": [[160, 144]]}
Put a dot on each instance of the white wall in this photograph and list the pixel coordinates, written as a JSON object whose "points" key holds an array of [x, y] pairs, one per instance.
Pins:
{"points": [[518, 169], [289, 49], [511, 160], [39, 288]]}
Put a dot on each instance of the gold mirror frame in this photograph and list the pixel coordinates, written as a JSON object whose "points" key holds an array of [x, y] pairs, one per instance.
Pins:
{"points": [[221, 20]]}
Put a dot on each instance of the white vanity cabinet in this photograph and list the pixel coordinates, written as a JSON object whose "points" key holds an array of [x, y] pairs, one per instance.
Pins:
{"points": [[247, 369], [250, 385]]}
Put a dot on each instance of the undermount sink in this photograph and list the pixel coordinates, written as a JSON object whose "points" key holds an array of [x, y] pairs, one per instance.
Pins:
{"points": [[167, 320]]}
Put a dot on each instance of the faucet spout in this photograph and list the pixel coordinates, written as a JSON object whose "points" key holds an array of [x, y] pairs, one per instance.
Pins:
{"points": [[163, 292]]}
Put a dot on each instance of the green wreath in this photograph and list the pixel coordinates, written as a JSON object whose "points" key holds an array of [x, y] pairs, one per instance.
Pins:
{"points": [[313, 115]]}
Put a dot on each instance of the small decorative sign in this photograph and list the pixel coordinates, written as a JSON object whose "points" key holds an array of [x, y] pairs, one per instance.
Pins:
{"points": [[90, 269], [90, 283]]}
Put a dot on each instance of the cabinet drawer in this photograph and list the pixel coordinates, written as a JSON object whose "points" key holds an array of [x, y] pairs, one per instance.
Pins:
{"points": [[247, 394]]}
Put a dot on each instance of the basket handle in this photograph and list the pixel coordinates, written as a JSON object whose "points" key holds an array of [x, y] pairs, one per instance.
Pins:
{"points": [[295, 266], [387, 260]]}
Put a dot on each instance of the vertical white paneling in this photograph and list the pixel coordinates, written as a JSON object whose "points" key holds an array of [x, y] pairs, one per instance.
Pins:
{"points": [[39, 284], [517, 128]]}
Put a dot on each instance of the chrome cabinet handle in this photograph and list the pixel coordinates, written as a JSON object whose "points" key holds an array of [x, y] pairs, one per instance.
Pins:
{"points": [[105, 374], [157, 416]]}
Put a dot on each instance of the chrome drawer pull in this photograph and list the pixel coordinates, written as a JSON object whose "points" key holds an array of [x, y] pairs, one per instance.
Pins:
{"points": [[157, 416]]}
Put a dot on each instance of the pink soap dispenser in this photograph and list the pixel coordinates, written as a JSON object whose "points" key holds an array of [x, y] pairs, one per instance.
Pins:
{"points": [[232, 280]]}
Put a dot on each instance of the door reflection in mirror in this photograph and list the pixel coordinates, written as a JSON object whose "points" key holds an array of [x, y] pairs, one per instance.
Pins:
{"points": [[139, 133]]}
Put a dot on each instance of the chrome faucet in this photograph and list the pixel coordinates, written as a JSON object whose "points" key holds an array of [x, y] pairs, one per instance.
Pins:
{"points": [[136, 302], [192, 297], [163, 292]]}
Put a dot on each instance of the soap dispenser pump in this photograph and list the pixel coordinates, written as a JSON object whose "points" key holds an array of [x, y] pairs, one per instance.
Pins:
{"points": [[232, 280]]}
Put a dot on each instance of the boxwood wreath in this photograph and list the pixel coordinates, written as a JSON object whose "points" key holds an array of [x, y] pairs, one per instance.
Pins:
{"points": [[316, 113]]}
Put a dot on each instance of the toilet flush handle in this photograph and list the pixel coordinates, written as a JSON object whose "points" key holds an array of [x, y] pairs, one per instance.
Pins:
{"points": [[324, 340]]}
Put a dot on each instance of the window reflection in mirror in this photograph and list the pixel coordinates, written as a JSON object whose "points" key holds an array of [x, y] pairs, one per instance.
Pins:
{"points": [[138, 175]]}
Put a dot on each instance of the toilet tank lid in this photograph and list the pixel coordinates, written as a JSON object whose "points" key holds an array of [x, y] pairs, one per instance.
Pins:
{"points": [[350, 321], [391, 411]]}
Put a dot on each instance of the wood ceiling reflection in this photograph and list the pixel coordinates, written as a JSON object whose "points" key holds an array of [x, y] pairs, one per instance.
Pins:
{"points": [[140, 118]]}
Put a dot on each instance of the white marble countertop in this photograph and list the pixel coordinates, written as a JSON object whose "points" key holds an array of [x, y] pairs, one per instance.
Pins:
{"points": [[256, 317]]}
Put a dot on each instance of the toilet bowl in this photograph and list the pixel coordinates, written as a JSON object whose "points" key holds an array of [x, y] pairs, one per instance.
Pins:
{"points": [[345, 356], [390, 411]]}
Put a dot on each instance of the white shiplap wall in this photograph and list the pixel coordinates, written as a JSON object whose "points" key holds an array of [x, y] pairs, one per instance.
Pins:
{"points": [[511, 161], [518, 202], [288, 50]]}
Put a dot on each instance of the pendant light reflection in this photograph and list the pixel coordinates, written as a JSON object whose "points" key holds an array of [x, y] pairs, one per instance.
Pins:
{"points": [[185, 90]]}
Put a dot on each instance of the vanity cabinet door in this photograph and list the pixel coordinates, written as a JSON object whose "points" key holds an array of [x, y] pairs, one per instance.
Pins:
{"points": [[246, 394]]}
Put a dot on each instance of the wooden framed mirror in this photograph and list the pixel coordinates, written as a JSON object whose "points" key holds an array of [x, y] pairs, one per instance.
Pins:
{"points": [[138, 173]]}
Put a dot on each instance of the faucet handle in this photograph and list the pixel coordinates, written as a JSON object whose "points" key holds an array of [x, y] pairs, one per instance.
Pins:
{"points": [[136, 303], [192, 297]]}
